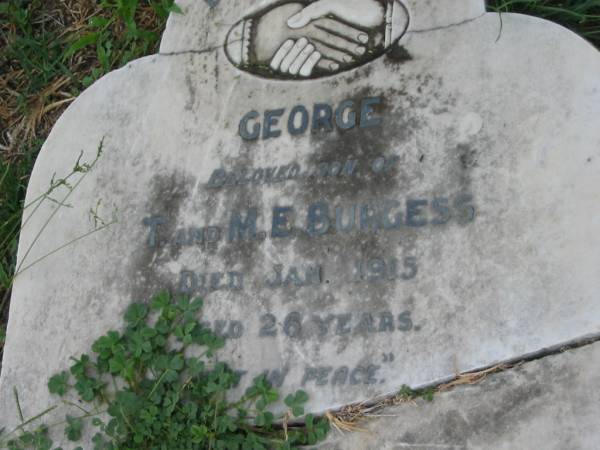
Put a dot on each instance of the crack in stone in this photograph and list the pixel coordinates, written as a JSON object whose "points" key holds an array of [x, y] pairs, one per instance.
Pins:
{"points": [[445, 27], [428, 446], [383, 402], [554, 350], [218, 47], [193, 52]]}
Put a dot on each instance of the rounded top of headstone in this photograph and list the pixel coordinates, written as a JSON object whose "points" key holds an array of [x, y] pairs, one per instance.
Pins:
{"points": [[207, 24]]}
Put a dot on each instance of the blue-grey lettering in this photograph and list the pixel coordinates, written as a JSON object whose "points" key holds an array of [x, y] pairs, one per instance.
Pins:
{"points": [[350, 167], [323, 325], [318, 219], [378, 164], [343, 327], [386, 322], [405, 322], [277, 280], [188, 282], [339, 219], [153, 223], [369, 219], [276, 376], [270, 174], [414, 213], [358, 375], [218, 178], [322, 115], [181, 237], [292, 279], [191, 283], [215, 281], [257, 176], [243, 229], [292, 128], [344, 116], [410, 264], [244, 132], [294, 172], [345, 121], [236, 330], [441, 210], [313, 275], [268, 326], [213, 234], [271, 121], [280, 227], [366, 324], [292, 325], [323, 375], [464, 207], [367, 119], [340, 376], [310, 374], [391, 223], [236, 281]]}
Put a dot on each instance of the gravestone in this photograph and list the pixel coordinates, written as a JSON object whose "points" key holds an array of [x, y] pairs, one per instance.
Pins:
{"points": [[366, 193]]}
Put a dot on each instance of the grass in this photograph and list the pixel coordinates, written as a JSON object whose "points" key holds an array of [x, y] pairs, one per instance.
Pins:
{"points": [[581, 16], [50, 50]]}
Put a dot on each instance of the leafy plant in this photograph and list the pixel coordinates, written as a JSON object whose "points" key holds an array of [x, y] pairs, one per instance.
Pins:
{"points": [[37, 439], [156, 385], [407, 393]]}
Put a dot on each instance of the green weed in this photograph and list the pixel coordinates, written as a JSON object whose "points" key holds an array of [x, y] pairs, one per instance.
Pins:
{"points": [[406, 393], [21, 216], [142, 389]]}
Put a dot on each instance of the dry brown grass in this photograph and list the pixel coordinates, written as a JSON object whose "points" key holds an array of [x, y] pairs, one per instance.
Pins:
{"points": [[351, 417], [26, 115], [27, 111]]}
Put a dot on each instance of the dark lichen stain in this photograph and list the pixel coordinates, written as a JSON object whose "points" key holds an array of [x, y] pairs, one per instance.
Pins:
{"points": [[167, 195], [191, 88], [397, 55], [404, 119], [360, 73], [467, 156], [241, 255], [339, 250], [216, 71], [404, 115]]}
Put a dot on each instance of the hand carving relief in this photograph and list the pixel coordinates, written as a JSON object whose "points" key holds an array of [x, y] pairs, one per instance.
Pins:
{"points": [[295, 40]]}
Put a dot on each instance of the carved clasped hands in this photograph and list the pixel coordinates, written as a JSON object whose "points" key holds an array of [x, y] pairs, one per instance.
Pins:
{"points": [[302, 40]]}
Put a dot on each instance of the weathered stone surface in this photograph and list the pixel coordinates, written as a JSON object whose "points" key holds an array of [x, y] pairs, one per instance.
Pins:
{"points": [[552, 403], [480, 155]]}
